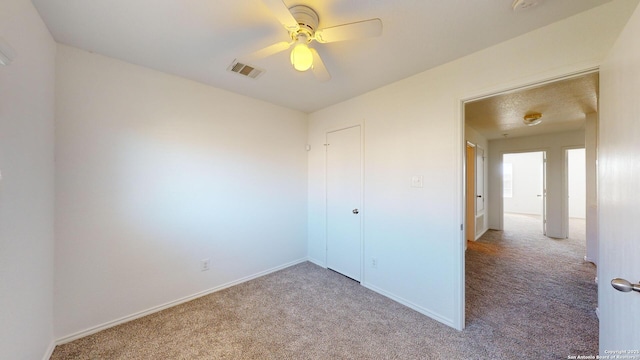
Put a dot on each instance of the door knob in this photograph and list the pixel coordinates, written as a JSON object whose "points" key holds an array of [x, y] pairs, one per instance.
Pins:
{"points": [[355, 211], [624, 286]]}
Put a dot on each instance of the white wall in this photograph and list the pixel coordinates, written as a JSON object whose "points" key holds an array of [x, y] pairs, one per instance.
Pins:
{"points": [[155, 173], [26, 187], [527, 183], [576, 180], [555, 146], [414, 127]]}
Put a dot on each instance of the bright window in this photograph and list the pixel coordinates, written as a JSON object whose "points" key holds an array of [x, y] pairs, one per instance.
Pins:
{"points": [[507, 180]]}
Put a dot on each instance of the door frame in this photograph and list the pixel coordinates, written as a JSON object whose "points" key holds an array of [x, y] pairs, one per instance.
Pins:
{"points": [[516, 85], [565, 188], [544, 185], [361, 206]]}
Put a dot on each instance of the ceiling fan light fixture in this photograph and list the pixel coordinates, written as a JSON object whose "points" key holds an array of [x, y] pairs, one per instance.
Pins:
{"points": [[532, 119], [301, 56], [301, 22]]}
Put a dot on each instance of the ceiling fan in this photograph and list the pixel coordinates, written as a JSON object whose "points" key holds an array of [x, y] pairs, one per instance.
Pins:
{"points": [[302, 24]]}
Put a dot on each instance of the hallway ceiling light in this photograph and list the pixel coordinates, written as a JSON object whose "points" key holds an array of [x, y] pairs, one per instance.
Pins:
{"points": [[532, 119]]}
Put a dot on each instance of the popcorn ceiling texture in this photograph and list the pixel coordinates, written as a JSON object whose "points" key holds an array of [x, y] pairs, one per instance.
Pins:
{"points": [[528, 296]]}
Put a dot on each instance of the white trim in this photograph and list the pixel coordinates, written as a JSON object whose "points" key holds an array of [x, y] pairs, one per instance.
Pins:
{"points": [[317, 262], [420, 309], [545, 150], [524, 85], [49, 352], [363, 260], [461, 169], [482, 233], [122, 320], [565, 189]]}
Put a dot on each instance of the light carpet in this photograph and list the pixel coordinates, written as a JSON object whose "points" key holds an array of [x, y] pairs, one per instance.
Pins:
{"points": [[528, 297]]}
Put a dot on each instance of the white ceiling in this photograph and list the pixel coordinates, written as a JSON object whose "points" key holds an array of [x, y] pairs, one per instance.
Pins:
{"points": [[198, 39]]}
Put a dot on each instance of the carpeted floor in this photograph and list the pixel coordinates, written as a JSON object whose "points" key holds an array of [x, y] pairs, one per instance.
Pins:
{"points": [[528, 297], [534, 292]]}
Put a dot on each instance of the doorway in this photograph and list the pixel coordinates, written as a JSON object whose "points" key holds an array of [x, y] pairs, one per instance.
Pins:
{"points": [[496, 119], [344, 201], [523, 189], [576, 193]]}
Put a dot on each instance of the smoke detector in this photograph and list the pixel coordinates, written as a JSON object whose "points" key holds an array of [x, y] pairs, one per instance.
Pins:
{"points": [[519, 5]]}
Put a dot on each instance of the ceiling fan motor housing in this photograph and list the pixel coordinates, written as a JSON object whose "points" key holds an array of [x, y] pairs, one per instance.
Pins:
{"points": [[306, 18]]}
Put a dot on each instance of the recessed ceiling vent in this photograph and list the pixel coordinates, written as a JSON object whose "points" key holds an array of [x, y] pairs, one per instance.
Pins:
{"points": [[245, 70]]}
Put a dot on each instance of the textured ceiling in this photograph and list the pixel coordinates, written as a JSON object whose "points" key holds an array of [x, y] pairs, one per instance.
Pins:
{"points": [[563, 105], [198, 39]]}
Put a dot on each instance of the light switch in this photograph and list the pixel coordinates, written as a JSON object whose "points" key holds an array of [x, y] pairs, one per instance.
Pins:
{"points": [[417, 181]]}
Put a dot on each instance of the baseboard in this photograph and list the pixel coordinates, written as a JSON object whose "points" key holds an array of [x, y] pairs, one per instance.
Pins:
{"points": [[122, 320], [317, 262], [49, 352], [588, 259], [413, 306], [482, 233]]}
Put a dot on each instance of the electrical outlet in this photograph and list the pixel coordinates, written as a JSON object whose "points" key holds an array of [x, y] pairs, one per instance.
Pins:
{"points": [[374, 263], [417, 181], [205, 264]]}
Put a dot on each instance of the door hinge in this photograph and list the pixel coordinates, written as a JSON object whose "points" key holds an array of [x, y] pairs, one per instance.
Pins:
{"points": [[461, 227]]}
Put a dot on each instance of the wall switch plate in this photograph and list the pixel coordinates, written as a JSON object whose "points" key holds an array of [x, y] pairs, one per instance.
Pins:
{"points": [[374, 263], [205, 264], [417, 181]]}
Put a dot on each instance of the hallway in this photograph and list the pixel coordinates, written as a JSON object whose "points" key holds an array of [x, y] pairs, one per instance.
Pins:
{"points": [[532, 290]]}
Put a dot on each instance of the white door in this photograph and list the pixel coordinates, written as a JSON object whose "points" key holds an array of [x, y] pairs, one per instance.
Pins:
{"points": [[344, 192], [479, 181], [619, 193], [470, 220]]}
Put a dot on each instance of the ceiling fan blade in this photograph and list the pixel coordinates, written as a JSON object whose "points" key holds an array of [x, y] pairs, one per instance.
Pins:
{"points": [[268, 51], [356, 30], [318, 68], [281, 12]]}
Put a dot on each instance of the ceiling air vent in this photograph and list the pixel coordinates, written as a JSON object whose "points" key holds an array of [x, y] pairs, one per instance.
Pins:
{"points": [[245, 70]]}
